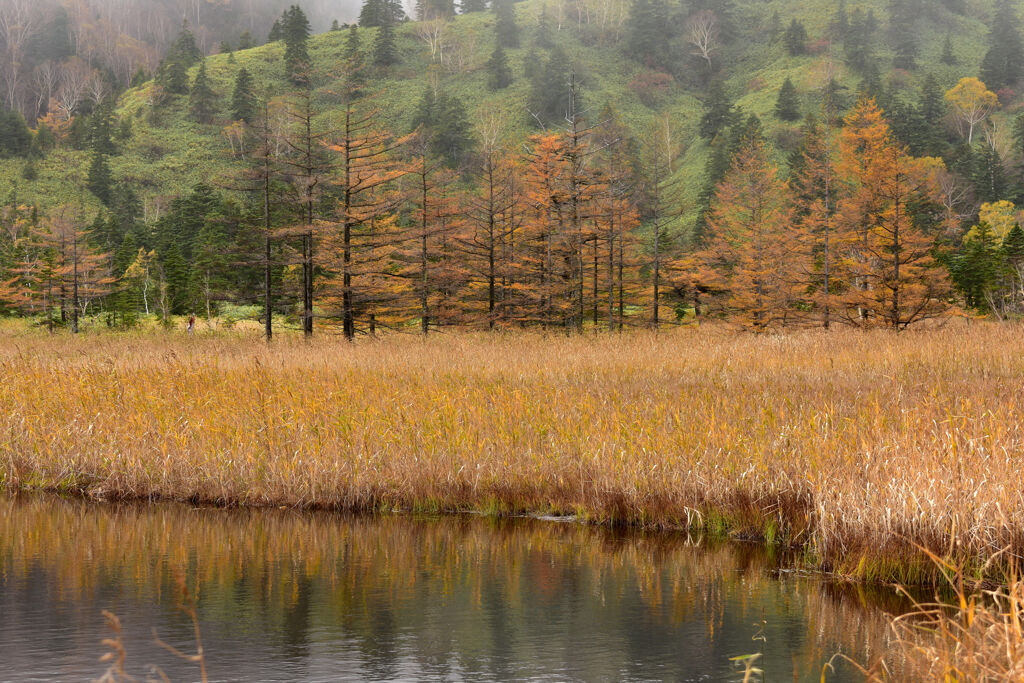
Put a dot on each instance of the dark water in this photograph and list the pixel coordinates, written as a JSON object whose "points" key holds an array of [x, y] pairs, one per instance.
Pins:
{"points": [[283, 596]]}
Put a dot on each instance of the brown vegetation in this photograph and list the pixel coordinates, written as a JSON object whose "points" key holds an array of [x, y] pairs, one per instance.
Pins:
{"points": [[851, 446]]}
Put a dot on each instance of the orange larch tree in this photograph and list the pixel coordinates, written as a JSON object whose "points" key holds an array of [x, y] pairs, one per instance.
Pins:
{"points": [[753, 257], [889, 221], [365, 168]]}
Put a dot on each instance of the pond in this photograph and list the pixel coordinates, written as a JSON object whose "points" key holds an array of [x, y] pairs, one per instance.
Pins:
{"points": [[282, 595]]}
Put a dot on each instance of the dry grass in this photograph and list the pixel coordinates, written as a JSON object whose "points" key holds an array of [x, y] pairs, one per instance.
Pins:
{"points": [[852, 446]]}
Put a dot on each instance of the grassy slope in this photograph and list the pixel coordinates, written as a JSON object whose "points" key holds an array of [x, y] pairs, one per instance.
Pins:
{"points": [[167, 156]]}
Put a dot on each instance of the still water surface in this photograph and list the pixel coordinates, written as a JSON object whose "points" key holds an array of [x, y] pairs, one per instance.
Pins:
{"points": [[283, 596]]}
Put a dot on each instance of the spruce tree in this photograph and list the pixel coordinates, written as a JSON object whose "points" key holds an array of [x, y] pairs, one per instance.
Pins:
{"points": [[505, 23], [931, 109], [719, 112], [375, 13], [1003, 65], [989, 177], [549, 90], [245, 41], [648, 32], [542, 33], [185, 48], [353, 43], [202, 99], [472, 6], [15, 136], [101, 124], [948, 56], [243, 99], [452, 139], [176, 277], [99, 180], [295, 32], [787, 107], [499, 75], [796, 38], [276, 33], [385, 53]]}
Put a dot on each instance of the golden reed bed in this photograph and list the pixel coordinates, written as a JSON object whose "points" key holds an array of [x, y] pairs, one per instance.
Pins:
{"points": [[853, 446]]}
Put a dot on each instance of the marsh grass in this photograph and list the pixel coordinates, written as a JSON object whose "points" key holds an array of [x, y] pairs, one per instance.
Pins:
{"points": [[853, 447]]}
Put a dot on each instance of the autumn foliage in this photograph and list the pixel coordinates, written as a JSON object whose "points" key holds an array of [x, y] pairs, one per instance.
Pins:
{"points": [[863, 250]]}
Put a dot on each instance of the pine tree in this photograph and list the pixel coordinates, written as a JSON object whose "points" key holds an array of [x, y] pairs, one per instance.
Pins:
{"points": [[202, 99], [243, 99], [505, 24], [499, 75], [385, 53], [99, 180], [796, 38], [787, 107]]}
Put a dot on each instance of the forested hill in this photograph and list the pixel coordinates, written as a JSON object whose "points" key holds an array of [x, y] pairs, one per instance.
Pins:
{"points": [[637, 59], [666, 93]]}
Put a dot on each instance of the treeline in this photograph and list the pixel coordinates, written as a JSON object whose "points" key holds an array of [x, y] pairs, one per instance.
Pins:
{"points": [[335, 220]]}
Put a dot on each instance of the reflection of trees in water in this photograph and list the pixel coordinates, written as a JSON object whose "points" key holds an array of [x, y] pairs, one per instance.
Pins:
{"points": [[479, 594]]}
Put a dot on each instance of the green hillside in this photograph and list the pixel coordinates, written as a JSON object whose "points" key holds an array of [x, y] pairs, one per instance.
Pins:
{"points": [[168, 153]]}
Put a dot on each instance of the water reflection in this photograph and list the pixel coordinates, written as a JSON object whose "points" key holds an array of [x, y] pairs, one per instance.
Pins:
{"points": [[287, 596]]}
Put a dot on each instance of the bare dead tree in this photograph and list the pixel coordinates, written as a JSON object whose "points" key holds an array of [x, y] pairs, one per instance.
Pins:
{"points": [[702, 33]]}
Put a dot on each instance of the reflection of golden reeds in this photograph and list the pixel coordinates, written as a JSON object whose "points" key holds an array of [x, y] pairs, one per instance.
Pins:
{"points": [[852, 445], [240, 561]]}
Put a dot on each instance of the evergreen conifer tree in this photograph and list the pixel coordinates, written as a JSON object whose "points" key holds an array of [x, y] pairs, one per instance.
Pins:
{"points": [[276, 32], [176, 276], [243, 99], [385, 53], [648, 32], [473, 6], [499, 75], [787, 107], [505, 23], [202, 99], [295, 31], [1003, 65], [549, 90], [99, 180], [15, 136], [948, 56], [796, 38], [719, 112]]}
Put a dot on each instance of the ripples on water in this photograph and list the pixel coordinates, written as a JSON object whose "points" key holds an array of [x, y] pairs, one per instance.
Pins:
{"points": [[286, 596]]}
